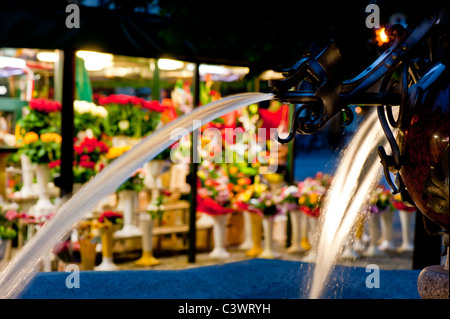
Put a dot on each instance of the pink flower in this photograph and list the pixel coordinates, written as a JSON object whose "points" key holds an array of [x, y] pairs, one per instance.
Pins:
{"points": [[12, 214]]}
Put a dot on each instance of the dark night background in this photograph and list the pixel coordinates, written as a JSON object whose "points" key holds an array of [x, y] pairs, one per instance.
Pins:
{"points": [[262, 35]]}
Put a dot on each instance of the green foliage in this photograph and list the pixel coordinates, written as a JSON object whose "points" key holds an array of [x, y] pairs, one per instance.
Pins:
{"points": [[39, 122], [158, 213], [7, 233], [42, 152]]}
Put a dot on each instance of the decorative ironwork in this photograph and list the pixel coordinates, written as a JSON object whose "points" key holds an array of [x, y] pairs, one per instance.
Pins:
{"points": [[314, 84]]}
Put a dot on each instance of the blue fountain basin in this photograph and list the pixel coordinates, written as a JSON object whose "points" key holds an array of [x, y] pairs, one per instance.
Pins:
{"points": [[250, 279]]}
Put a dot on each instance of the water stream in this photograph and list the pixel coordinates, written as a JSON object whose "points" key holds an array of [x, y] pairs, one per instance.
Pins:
{"points": [[358, 172], [22, 268]]}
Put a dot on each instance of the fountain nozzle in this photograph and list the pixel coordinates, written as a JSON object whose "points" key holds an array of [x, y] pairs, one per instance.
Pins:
{"points": [[316, 79]]}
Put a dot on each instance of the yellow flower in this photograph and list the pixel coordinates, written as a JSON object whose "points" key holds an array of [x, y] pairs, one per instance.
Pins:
{"points": [[302, 200], [313, 198], [233, 170], [398, 197], [51, 137], [30, 137], [114, 152]]}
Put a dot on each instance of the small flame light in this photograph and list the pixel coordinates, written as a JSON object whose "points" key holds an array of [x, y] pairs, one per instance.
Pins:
{"points": [[382, 37]]}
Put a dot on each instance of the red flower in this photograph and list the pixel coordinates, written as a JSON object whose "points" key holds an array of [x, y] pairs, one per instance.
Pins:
{"points": [[54, 163], [87, 164], [121, 99], [153, 106], [110, 215], [45, 106]]}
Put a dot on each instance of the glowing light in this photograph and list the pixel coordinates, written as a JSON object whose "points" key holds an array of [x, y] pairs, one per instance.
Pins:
{"points": [[95, 61], [358, 109], [12, 62], [47, 56], [382, 36], [169, 64]]}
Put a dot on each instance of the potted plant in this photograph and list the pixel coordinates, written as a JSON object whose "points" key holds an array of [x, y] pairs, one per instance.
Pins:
{"points": [[42, 116], [288, 201], [107, 223], [8, 230], [379, 205], [266, 205], [42, 150], [214, 199]]}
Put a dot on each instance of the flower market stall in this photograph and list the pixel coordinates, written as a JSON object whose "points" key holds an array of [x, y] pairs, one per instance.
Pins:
{"points": [[241, 197]]}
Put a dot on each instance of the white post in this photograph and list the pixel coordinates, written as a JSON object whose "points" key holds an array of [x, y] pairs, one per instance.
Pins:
{"points": [[152, 179], [27, 177], [296, 233], [248, 242], [129, 229], [406, 219], [387, 243], [43, 206], [268, 251], [219, 229], [147, 258], [374, 233]]}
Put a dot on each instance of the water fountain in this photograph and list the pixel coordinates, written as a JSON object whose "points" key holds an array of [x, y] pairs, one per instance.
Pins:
{"points": [[423, 99], [419, 152]]}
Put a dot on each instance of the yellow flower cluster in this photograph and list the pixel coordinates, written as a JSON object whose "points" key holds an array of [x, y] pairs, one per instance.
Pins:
{"points": [[313, 199], [31, 137], [116, 151], [51, 137]]}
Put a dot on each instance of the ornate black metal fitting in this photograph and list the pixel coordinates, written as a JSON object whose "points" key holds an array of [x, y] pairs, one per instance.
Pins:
{"points": [[314, 84]]}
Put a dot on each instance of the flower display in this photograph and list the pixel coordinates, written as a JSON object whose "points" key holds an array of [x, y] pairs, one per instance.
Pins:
{"points": [[110, 216], [288, 198], [85, 230], [8, 218], [45, 106], [41, 116], [265, 204], [312, 193], [87, 158], [380, 200], [108, 220], [38, 131], [398, 204], [130, 115], [214, 195], [41, 149], [89, 116], [257, 198]]}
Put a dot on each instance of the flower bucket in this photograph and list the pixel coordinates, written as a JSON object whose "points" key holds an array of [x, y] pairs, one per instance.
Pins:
{"points": [[88, 254]]}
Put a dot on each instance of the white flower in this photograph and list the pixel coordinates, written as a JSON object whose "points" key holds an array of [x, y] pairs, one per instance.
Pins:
{"points": [[291, 190], [81, 107], [123, 125], [100, 111]]}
